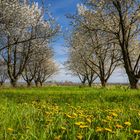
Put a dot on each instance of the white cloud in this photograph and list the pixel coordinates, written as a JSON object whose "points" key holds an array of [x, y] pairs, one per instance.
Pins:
{"points": [[64, 75]]}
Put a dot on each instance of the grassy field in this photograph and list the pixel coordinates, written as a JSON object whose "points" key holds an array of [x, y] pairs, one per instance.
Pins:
{"points": [[69, 113]]}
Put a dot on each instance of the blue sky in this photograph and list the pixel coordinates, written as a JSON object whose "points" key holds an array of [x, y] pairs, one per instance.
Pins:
{"points": [[59, 9]]}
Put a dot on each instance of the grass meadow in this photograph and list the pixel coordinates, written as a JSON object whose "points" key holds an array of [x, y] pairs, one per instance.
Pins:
{"points": [[69, 113]]}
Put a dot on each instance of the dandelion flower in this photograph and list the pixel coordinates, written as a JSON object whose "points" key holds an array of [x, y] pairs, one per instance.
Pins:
{"points": [[119, 126], [88, 120], [80, 123], [63, 128], [109, 118], [74, 114], [70, 116], [99, 129], [79, 137], [114, 114], [83, 126], [10, 129], [136, 131], [57, 137], [82, 115], [108, 129], [105, 121], [127, 123]]}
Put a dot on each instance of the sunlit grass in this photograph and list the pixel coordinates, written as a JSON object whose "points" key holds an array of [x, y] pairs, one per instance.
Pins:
{"points": [[69, 113]]}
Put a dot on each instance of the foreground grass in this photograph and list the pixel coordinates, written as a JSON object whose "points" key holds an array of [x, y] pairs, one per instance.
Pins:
{"points": [[69, 113]]}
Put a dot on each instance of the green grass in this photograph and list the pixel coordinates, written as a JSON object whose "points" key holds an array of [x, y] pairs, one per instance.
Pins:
{"points": [[69, 113]]}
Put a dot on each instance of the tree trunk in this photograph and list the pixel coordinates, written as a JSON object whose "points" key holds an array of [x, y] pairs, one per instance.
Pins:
{"points": [[103, 82], [41, 84], [133, 81], [83, 82], [36, 83], [1, 83], [14, 82], [89, 83], [29, 84]]}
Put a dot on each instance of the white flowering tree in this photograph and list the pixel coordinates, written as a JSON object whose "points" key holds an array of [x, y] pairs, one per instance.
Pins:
{"points": [[40, 66], [77, 61], [22, 29], [96, 49], [120, 19], [46, 69], [79, 68]]}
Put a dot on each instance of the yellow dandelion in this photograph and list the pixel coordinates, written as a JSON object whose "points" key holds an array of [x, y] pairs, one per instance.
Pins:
{"points": [[136, 131], [119, 126], [74, 115], [108, 129], [14, 138], [70, 116], [105, 121], [63, 128], [88, 120], [114, 114], [82, 115], [57, 137], [48, 113], [10, 129], [80, 123], [127, 123], [109, 118], [79, 137], [99, 129], [83, 126]]}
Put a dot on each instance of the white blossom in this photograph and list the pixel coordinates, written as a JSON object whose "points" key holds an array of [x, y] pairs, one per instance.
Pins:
{"points": [[81, 9]]}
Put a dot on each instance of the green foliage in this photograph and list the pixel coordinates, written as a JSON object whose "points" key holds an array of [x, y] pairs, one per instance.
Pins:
{"points": [[69, 113]]}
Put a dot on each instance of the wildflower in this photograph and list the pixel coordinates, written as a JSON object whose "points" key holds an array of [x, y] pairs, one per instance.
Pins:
{"points": [[70, 116], [80, 123], [105, 121], [114, 114], [99, 129], [88, 120], [79, 137], [74, 115], [109, 118], [63, 128], [127, 123], [108, 129], [83, 126], [119, 126], [57, 137], [136, 131], [14, 138], [82, 115], [48, 113], [10, 129]]}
